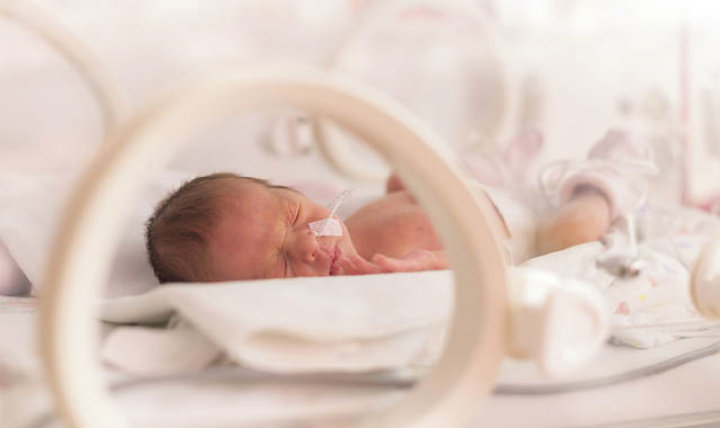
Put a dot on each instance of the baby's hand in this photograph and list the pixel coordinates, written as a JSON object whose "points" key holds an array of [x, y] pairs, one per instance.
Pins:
{"points": [[414, 261], [356, 265]]}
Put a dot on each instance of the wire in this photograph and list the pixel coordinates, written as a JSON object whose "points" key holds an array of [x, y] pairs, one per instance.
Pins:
{"points": [[407, 378]]}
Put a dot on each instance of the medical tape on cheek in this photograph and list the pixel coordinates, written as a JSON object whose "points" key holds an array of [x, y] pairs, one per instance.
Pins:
{"points": [[327, 227], [330, 226]]}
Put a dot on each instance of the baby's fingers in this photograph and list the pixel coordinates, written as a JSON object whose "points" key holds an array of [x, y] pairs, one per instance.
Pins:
{"points": [[389, 264], [414, 261], [356, 265], [365, 266]]}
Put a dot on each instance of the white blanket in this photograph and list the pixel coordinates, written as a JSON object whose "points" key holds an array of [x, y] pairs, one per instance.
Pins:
{"points": [[298, 325]]}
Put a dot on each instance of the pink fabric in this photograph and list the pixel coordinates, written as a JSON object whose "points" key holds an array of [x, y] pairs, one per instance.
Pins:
{"points": [[598, 181], [615, 167]]}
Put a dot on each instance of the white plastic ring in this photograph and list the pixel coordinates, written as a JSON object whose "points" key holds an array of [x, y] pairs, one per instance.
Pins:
{"points": [[80, 58], [343, 160], [90, 234]]}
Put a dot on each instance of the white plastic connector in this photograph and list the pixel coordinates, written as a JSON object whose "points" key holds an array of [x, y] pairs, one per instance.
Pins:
{"points": [[560, 323], [705, 282]]}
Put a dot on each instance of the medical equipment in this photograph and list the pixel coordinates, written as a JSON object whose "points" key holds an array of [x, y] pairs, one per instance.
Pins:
{"points": [[705, 283], [327, 227], [555, 358], [621, 259], [560, 323], [330, 226], [630, 401], [618, 167], [622, 266], [67, 311], [479, 72]]}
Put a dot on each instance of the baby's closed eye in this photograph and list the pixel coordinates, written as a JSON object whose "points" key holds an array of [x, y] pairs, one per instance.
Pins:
{"points": [[294, 214]]}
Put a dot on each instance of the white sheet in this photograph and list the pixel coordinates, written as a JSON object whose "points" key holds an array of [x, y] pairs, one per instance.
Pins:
{"points": [[350, 323], [23, 394], [33, 206]]}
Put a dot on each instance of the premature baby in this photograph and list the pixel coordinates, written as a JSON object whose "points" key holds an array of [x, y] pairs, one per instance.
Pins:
{"points": [[224, 227]]}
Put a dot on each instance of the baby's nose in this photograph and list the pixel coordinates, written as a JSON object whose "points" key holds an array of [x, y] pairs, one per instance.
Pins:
{"points": [[321, 249], [304, 248], [310, 255]]}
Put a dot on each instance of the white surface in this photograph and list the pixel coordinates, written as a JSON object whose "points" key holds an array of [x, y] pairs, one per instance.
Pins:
{"points": [[686, 389], [683, 390], [34, 205]]}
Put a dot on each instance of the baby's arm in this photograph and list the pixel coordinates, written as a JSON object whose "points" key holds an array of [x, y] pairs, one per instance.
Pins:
{"points": [[585, 218]]}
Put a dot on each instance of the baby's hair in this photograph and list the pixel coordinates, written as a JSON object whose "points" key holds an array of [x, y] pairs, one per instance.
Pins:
{"points": [[176, 235]]}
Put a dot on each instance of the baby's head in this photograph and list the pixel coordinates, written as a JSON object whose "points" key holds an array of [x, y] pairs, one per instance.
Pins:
{"points": [[224, 227]]}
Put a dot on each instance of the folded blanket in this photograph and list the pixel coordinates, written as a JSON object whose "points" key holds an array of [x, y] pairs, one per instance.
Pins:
{"points": [[348, 324], [295, 325]]}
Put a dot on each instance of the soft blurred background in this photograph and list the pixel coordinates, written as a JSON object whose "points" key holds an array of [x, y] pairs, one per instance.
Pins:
{"points": [[478, 71]]}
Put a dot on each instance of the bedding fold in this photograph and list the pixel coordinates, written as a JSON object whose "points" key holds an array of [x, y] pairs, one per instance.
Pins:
{"points": [[298, 325]]}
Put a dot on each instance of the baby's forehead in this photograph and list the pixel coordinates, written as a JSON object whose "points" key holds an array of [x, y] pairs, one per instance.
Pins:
{"points": [[242, 184], [249, 195]]}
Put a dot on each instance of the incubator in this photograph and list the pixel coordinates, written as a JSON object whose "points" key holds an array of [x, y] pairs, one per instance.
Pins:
{"points": [[495, 121]]}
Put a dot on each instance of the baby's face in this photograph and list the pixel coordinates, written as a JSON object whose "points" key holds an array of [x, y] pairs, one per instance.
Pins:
{"points": [[263, 233]]}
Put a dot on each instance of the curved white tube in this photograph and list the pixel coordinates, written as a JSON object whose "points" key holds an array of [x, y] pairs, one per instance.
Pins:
{"points": [[84, 62], [91, 230], [705, 281], [343, 160]]}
